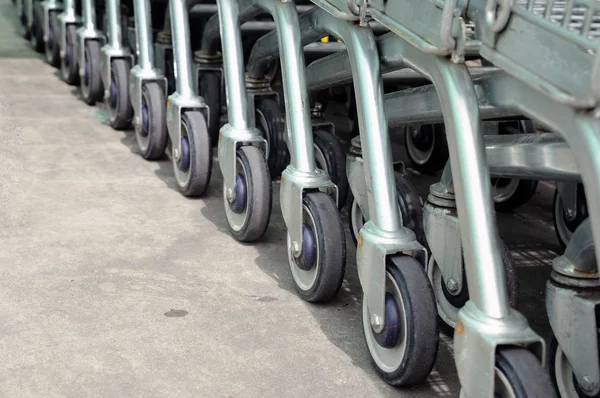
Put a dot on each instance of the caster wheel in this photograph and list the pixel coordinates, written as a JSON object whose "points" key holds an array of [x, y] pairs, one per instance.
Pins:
{"points": [[271, 123], [118, 104], [169, 72], [92, 89], [52, 46], [510, 194], [193, 167], [565, 224], [69, 67], [248, 208], [427, 148], [410, 205], [210, 89], [404, 352], [318, 270], [37, 30], [330, 158], [151, 134], [519, 374], [450, 302], [561, 373]]}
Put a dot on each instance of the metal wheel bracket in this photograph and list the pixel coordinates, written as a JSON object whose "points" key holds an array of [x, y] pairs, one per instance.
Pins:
{"points": [[373, 248], [160, 53], [252, 95], [48, 6], [322, 124], [65, 19], [198, 69], [293, 186], [83, 35], [568, 195], [230, 140], [137, 78], [442, 231], [572, 315], [176, 104], [355, 172], [476, 339], [578, 261], [107, 54]]}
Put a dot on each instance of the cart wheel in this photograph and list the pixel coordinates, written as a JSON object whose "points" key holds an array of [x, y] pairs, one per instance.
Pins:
{"points": [[449, 302], [565, 224], [319, 269], [170, 71], [151, 134], [330, 158], [193, 167], [427, 148], [37, 30], [68, 66], [210, 90], [92, 89], [410, 205], [52, 46], [271, 123], [508, 193], [405, 351], [519, 374], [561, 373], [118, 104], [248, 208]]}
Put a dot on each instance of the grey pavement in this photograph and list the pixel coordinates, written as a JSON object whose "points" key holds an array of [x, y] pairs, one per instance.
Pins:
{"points": [[113, 284]]}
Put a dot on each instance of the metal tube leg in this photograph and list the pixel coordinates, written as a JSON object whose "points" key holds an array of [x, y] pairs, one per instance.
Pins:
{"points": [[471, 177], [182, 52], [233, 67], [113, 13], [143, 30]]}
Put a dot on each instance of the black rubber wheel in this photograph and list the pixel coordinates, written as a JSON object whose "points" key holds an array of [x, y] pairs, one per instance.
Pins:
{"points": [[271, 123], [561, 373], [249, 211], [52, 45], [448, 303], [427, 148], [404, 352], [118, 103], [410, 205], [520, 374], [330, 158], [151, 134], [210, 89], [193, 169], [69, 67], [37, 30], [92, 89], [170, 71], [565, 225], [318, 271], [510, 194]]}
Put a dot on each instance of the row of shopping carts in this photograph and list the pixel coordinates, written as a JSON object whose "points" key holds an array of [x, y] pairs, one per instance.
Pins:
{"points": [[494, 94]]}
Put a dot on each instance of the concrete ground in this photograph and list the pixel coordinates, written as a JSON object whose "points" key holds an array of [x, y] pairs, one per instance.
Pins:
{"points": [[113, 284]]}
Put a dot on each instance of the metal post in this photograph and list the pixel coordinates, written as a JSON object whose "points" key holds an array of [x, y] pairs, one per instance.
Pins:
{"points": [[182, 53], [143, 30], [113, 12], [89, 14]]}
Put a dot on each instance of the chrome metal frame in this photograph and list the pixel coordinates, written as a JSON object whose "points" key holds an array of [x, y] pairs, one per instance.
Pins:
{"points": [[65, 18], [87, 32], [113, 49], [48, 6]]}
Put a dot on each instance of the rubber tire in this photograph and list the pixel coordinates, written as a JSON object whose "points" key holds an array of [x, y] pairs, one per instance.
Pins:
{"points": [[96, 89], [37, 31], [124, 110], [331, 243], [53, 52], [410, 205], [525, 188], [209, 88], [279, 156], [335, 161], [552, 352], [70, 74], [420, 309], [561, 241], [439, 155], [158, 136], [259, 195], [200, 154], [524, 373]]}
